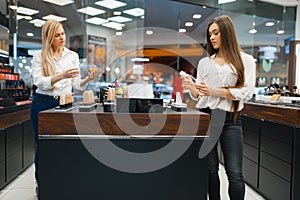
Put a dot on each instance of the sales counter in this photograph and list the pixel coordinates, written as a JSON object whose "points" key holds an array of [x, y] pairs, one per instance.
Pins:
{"points": [[272, 149], [109, 155], [16, 142]]}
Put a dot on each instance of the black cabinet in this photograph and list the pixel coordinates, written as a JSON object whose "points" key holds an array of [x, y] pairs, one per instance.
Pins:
{"points": [[17, 148], [271, 158], [13, 151], [2, 158], [251, 135], [28, 144]]}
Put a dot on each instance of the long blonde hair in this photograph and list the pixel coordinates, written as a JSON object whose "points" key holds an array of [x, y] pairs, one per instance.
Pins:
{"points": [[48, 33], [231, 51]]}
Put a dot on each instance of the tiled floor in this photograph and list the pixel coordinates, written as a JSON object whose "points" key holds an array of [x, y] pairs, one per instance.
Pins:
{"points": [[23, 188]]}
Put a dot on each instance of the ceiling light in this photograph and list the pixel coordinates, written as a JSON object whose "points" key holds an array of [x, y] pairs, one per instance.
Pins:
{"points": [[138, 59], [269, 24], [27, 17], [225, 1], [119, 33], [119, 19], [111, 4], [13, 7], [60, 2], [96, 20], [253, 31], [30, 34], [149, 32], [182, 30], [20, 17], [91, 11], [27, 11], [188, 24], [113, 25], [135, 12], [55, 17], [280, 32], [37, 22], [143, 17], [197, 16], [117, 12]]}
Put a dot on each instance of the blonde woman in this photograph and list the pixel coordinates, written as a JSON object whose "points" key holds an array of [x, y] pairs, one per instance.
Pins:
{"points": [[225, 79], [55, 71]]}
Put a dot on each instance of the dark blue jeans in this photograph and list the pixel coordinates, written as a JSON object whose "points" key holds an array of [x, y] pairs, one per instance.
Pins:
{"points": [[231, 141], [40, 103]]}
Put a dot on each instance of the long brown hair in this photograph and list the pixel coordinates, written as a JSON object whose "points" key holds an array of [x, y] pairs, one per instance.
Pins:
{"points": [[231, 51], [48, 32]]}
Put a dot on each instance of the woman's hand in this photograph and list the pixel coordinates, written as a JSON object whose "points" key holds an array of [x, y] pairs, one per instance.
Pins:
{"points": [[203, 88], [71, 73]]}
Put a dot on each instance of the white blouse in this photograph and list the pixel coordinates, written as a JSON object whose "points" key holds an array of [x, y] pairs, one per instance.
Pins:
{"points": [[215, 75], [69, 59]]}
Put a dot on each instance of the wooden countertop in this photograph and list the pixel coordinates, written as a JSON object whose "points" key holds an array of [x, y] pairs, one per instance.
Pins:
{"points": [[278, 113], [13, 118], [169, 123]]}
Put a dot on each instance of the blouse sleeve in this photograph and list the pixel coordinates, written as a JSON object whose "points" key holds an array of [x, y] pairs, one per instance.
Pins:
{"points": [[199, 78], [246, 92], [41, 81]]}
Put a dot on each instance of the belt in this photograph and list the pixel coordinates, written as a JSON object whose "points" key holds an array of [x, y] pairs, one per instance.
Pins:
{"points": [[47, 96]]}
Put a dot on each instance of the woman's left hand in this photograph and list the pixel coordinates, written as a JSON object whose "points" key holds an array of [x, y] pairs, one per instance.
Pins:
{"points": [[203, 88]]}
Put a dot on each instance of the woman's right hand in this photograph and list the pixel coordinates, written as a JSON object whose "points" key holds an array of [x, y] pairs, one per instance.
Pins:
{"points": [[187, 83], [71, 73]]}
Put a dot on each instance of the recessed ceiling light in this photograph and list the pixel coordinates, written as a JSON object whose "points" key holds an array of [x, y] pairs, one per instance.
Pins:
{"points": [[197, 16], [13, 7], [27, 17], [60, 2], [269, 24], [252, 31], [30, 34], [27, 11], [182, 30], [119, 19], [280, 32], [225, 1], [55, 17], [135, 12], [36, 22], [119, 33], [20, 17], [91, 11], [117, 12], [111, 4], [143, 17], [149, 32], [96, 20], [188, 24], [113, 25]]}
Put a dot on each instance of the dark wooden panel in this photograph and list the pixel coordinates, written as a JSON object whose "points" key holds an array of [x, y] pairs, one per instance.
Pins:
{"points": [[58, 123], [28, 144], [13, 118], [296, 166], [2, 174], [251, 152], [13, 146], [275, 165], [13, 132], [281, 132], [82, 176], [286, 115], [250, 123], [251, 137], [280, 150], [2, 145], [13, 165], [273, 186], [250, 172]]}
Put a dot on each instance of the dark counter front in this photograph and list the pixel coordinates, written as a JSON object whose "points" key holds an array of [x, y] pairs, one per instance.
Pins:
{"points": [[272, 150], [113, 158], [16, 143]]}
